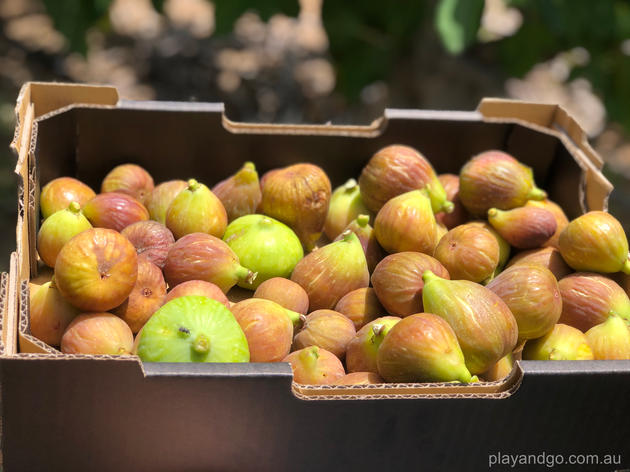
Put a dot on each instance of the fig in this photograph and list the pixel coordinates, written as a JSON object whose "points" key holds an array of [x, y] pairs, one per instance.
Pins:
{"points": [[562, 343], [359, 378], [151, 239], [595, 242], [193, 329], [200, 256], [267, 327], [361, 306], [406, 223], [265, 246], [548, 257], [96, 270], [610, 339], [459, 215], [57, 230], [371, 248], [504, 246], [161, 198], [398, 169], [196, 210], [500, 370], [362, 349], [398, 284], [531, 293], [97, 333], [198, 287], [50, 314], [298, 196], [130, 179], [495, 179], [284, 292], [59, 193], [315, 366], [468, 252], [561, 219], [422, 348], [114, 211], [145, 298], [525, 227], [331, 271], [588, 298], [484, 326], [240, 193], [345, 205], [327, 329]]}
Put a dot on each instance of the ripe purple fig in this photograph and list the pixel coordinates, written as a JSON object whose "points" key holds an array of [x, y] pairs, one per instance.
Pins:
{"points": [[562, 343], [595, 242], [57, 230], [327, 329], [130, 179], [422, 348], [200, 288], [373, 251], [61, 192], [151, 239], [240, 193], [407, 223], [398, 169], [298, 196], [398, 284], [561, 219], [315, 366], [50, 314], [500, 370], [494, 179], [345, 205], [360, 378], [284, 292], [525, 227], [161, 198], [331, 271], [610, 339], [485, 327], [361, 352], [114, 211], [361, 306], [459, 215], [548, 257]]}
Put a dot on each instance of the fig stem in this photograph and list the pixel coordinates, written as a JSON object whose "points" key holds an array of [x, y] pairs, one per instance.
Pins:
{"points": [[74, 207], [243, 273], [492, 212], [193, 185], [351, 184], [347, 235], [428, 276], [448, 206], [294, 316], [626, 267], [363, 220], [247, 174], [536, 194], [201, 344]]}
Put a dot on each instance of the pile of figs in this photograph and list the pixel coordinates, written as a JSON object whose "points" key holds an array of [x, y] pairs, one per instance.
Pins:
{"points": [[399, 276]]}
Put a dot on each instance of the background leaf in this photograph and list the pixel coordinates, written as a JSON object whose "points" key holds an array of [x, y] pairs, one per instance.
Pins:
{"points": [[457, 22]]}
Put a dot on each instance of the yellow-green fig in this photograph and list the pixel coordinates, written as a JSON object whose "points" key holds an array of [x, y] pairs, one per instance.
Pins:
{"points": [[240, 193], [161, 197], [374, 253], [610, 339], [562, 343], [345, 205], [57, 230], [525, 227], [362, 350]]}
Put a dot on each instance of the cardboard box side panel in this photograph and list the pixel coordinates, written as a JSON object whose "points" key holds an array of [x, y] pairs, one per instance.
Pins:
{"points": [[4, 295], [10, 318], [48, 97], [21, 170]]}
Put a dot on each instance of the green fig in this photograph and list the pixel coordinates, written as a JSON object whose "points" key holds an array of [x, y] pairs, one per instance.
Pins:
{"points": [[595, 242], [362, 350], [525, 227], [610, 339], [485, 327], [345, 205], [372, 249], [57, 230], [562, 343], [265, 246], [240, 193]]}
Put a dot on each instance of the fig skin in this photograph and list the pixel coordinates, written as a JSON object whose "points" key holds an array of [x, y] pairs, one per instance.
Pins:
{"points": [[196, 210], [595, 242], [504, 246], [360, 378], [361, 306], [532, 294], [399, 169], [327, 329], [57, 230], [398, 284], [96, 270], [468, 252], [161, 198], [59, 193], [345, 206], [588, 299], [114, 211], [485, 327], [422, 348], [284, 292], [459, 215], [407, 223], [198, 287], [558, 213], [315, 366], [151, 239], [562, 343], [130, 179], [548, 257], [267, 327], [146, 297], [373, 251], [97, 333], [50, 314], [331, 271], [361, 352], [610, 339], [495, 179], [240, 193], [298, 196], [500, 370], [200, 256], [525, 227]]}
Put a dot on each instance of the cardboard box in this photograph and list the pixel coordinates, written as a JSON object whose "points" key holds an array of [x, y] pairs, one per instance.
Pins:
{"points": [[106, 413]]}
